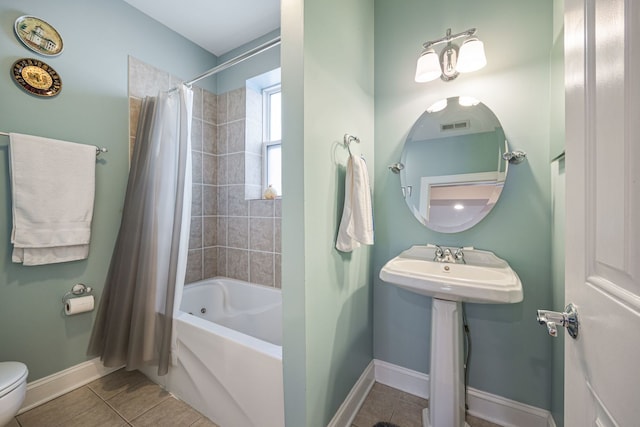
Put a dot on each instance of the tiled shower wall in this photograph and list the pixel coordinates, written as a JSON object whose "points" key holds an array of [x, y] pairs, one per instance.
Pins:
{"points": [[233, 233]]}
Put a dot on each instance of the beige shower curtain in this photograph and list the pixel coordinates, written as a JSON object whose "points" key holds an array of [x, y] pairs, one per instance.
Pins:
{"points": [[134, 324]]}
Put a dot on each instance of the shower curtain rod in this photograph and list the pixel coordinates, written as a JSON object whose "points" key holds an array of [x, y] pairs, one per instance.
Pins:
{"points": [[248, 54]]}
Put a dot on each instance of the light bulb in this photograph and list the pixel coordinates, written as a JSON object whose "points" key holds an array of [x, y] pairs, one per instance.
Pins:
{"points": [[437, 106], [467, 101], [428, 67], [471, 56]]}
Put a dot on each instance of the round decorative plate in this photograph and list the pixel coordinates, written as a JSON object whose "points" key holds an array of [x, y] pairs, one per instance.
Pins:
{"points": [[36, 77], [38, 35]]}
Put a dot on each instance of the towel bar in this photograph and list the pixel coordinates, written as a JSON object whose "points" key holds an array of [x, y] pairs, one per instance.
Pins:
{"points": [[99, 150]]}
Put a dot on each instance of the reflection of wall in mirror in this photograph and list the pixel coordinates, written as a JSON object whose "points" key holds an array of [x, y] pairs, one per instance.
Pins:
{"points": [[453, 200], [458, 154]]}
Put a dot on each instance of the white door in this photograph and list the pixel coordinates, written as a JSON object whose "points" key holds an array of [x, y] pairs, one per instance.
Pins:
{"points": [[602, 78]]}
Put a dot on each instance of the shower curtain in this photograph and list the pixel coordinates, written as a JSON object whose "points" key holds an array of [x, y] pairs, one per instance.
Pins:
{"points": [[134, 324]]}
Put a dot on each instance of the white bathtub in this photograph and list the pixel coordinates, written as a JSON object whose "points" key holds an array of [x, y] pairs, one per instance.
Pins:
{"points": [[229, 364]]}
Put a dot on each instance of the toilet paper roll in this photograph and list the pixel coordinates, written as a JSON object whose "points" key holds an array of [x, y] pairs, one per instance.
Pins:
{"points": [[78, 305]]}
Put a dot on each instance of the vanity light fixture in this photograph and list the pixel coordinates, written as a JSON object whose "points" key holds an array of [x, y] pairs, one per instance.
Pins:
{"points": [[452, 59]]}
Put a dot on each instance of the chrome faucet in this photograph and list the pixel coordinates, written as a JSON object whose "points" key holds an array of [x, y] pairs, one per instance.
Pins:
{"points": [[445, 255]]}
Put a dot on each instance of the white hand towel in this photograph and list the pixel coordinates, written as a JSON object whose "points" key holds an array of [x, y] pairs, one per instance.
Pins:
{"points": [[356, 226], [52, 186]]}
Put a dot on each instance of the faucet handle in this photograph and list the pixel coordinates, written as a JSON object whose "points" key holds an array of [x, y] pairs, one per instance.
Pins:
{"points": [[439, 252], [459, 255]]}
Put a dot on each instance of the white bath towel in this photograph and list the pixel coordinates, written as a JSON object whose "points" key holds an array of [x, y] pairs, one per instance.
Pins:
{"points": [[356, 226], [52, 187]]}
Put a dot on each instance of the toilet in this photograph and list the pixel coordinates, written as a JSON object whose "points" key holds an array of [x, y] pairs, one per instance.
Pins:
{"points": [[13, 387]]}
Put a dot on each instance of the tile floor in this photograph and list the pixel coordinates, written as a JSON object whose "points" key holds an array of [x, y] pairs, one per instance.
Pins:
{"points": [[384, 403], [118, 399], [130, 399]]}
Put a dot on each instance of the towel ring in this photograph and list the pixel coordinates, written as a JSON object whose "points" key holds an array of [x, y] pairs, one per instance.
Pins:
{"points": [[348, 139]]}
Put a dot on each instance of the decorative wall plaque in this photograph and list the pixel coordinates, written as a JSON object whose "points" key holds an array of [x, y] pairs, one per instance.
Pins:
{"points": [[36, 77], [38, 35]]}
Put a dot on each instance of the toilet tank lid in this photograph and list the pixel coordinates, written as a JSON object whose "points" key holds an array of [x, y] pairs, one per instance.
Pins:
{"points": [[10, 374]]}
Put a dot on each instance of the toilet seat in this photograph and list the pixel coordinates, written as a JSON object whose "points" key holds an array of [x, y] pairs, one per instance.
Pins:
{"points": [[12, 375]]}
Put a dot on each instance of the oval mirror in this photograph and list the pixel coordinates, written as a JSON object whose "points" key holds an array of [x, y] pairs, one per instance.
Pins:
{"points": [[453, 167]]}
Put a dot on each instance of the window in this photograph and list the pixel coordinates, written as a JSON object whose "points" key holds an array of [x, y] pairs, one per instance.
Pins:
{"points": [[272, 135]]}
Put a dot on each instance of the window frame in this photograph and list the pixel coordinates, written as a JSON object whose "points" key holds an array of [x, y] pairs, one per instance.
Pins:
{"points": [[266, 132]]}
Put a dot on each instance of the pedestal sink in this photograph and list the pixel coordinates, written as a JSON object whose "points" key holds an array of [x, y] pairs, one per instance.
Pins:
{"points": [[481, 278]]}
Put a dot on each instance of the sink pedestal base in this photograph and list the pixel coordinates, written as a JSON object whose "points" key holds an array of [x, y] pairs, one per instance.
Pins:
{"points": [[446, 375]]}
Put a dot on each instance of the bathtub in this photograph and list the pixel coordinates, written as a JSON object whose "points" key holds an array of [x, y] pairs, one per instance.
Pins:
{"points": [[229, 357]]}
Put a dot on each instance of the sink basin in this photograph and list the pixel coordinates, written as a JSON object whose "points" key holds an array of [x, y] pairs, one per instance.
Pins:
{"points": [[484, 278]]}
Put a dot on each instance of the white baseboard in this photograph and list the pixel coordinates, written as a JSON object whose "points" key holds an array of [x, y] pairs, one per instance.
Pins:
{"points": [[505, 412], [55, 385], [354, 400], [487, 406], [404, 379]]}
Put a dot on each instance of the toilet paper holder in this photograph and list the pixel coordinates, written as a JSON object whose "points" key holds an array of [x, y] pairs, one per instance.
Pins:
{"points": [[77, 290]]}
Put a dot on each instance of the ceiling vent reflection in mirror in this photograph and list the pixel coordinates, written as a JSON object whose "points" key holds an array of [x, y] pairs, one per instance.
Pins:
{"points": [[454, 126]]}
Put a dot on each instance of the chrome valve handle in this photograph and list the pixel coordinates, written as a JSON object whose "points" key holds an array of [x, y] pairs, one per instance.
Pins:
{"points": [[515, 157], [439, 253], [568, 319]]}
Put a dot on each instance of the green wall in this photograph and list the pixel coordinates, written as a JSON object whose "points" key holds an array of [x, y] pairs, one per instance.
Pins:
{"points": [[236, 76], [327, 84], [511, 354], [92, 108], [557, 81]]}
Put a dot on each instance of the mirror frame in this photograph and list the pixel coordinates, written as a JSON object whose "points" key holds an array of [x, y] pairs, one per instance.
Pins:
{"points": [[419, 201]]}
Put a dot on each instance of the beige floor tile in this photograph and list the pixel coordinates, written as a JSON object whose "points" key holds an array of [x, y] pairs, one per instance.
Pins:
{"points": [[98, 416], [204, 422], [171, 412], [116, 382], [60, 410], [363, 420], [378, 406], [137, 399], [389, 391], [478, 422], [415, 400], [407, 414]]}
